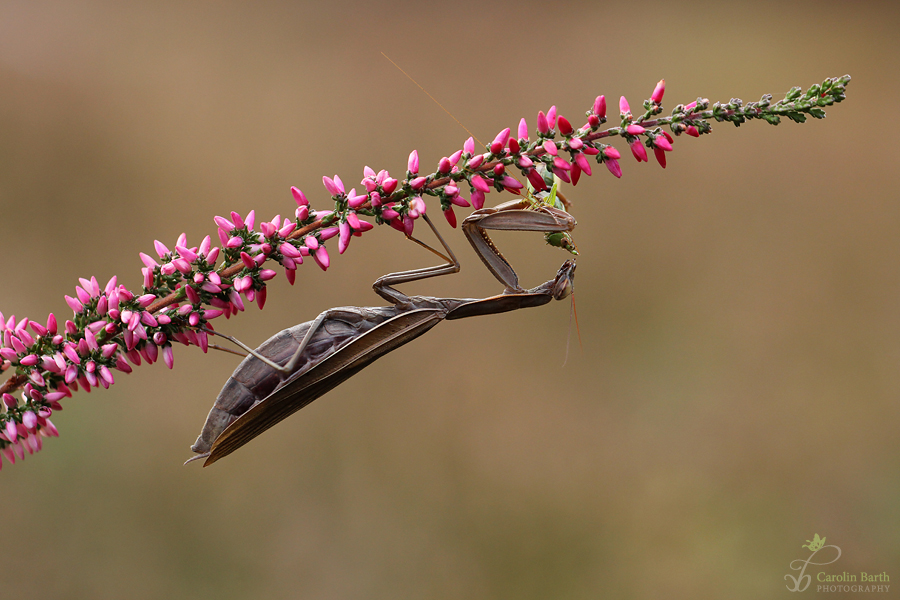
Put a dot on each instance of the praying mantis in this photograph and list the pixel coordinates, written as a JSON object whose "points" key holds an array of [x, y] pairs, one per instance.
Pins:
{"points": [[301, 363]]}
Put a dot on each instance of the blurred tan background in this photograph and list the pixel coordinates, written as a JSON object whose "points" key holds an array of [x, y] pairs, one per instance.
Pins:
{"points": [[737, 390]]}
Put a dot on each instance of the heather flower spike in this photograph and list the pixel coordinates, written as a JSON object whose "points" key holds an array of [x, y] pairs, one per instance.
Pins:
{"points": [[184, 289]]}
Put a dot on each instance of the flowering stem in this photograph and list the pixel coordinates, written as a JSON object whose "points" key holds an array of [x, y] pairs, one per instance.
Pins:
{"points": [[189, 287]]}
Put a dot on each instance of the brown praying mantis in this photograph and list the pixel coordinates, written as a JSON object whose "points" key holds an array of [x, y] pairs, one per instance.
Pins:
{"points": [[301, 363]]}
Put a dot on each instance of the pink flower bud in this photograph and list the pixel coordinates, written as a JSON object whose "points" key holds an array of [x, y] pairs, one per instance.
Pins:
{"points": [[330, 186], [479, 183], [477, 199], [355, 201], [613, 165], [634, 129], [161, 249], [186, 253], [74, 304], [582, 161], [450, 216], [511, 183], [469, 146], [638, 150], [550, 147], [454, 158], [660, 89], [475, 161], [223, 223], [537, 182], [660, 156], [444, 165], [500, 141], [523, 129], [146, 300], [122, 365], [599, 107], [565, 127], [542, 125], [413, 163], [663, 143], [551, 117], [624, 109], [148, 261], [321, 257], [692, 131], [389, 185], [344, 240], [611, 152]]}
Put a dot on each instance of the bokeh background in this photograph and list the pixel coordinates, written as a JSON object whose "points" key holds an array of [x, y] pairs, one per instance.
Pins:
{"points": [[737, 386]]}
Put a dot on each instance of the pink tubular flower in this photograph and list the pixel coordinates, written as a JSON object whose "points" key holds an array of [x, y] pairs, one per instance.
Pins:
{"points": [[450, 216], [523, 130], [168, 357], [344, 239], [299, 196], [660, 155], [477, 199], [500, 141], [550, 147], [582, 161], [613, 165], [638, 150], [511, 183], [660, 89], [479, 183], [542, 124], [537, 182], [321, 257], [331, 186], [663, 143], [355, 201], [599, 107]]}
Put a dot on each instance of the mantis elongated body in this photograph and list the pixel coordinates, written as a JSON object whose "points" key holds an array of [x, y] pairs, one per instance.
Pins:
{"points": [[301, 363]]}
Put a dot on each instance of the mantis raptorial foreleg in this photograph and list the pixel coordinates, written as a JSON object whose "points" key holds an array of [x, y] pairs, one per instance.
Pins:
{"points": [[510, 216]]}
